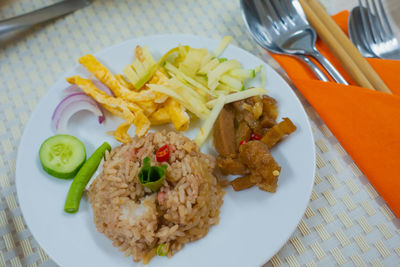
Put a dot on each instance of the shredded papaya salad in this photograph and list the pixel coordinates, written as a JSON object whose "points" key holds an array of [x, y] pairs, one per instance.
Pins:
{"points": [[185, 83]]}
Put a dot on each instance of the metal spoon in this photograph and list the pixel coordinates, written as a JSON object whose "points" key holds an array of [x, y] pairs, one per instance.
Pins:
{"points": [[254, 22]]}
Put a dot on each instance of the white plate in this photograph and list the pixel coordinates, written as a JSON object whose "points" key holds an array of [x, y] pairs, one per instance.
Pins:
{"points": [[254, 224]]}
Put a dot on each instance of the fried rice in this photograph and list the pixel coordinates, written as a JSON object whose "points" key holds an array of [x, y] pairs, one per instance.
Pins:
{"points": [[138, 220]]}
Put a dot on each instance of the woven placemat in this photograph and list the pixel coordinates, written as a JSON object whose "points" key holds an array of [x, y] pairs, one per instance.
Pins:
{"points": [[346, 222]]}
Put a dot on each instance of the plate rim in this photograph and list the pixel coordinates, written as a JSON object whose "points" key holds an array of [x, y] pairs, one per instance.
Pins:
{"points": [[175, 36]]}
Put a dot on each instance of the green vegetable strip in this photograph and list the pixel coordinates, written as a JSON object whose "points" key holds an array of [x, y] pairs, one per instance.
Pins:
{"points": [[162, 250], [83, 177], [152, 177]]}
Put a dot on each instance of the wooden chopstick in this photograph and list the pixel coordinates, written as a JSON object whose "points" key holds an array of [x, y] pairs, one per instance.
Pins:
{"points": [[350, 66], [343, 49]]}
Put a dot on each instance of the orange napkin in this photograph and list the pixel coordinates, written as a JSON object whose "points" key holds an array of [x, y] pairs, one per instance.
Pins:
{"points": [[366, 122]]}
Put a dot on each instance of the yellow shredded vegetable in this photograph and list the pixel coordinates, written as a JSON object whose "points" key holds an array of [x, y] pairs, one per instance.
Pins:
{"points": [[183, 83]]}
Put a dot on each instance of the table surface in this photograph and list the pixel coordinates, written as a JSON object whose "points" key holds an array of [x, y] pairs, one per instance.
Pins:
{"points": [[346, 223]]}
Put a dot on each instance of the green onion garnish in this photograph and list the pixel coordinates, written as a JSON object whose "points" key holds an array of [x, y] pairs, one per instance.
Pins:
{"points": [[162, 250]]}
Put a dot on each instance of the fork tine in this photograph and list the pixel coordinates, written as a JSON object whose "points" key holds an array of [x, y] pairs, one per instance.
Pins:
{"points": [[385, 18], [372, 24], [378, 22], [288, 7], [295, 9], [282, 13], [263, 15], [274, 15], [365, 23], [250, 6]]}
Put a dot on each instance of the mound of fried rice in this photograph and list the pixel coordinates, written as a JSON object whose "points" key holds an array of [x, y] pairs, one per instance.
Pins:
{"points": [[137, 220]]}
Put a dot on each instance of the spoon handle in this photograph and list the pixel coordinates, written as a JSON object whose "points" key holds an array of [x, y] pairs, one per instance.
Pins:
{"points": [[329, 67], [395, 56], [40, 15], [317, 71]]}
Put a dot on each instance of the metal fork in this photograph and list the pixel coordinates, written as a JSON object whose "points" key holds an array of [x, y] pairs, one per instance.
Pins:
{"points": [[356, 34], [293, 33], [377, 31], [254, 20]]}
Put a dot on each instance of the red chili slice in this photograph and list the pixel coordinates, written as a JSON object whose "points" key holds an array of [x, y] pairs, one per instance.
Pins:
{"points": [[163, 153], [255, 136], [242, 142]]}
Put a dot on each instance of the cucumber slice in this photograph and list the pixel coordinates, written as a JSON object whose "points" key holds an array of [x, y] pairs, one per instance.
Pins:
{"points": [[62, 156]]}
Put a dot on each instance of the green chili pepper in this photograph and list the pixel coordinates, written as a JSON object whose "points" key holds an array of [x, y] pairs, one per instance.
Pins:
{"points": [[161, 251], [82, 178], [152, 177]]}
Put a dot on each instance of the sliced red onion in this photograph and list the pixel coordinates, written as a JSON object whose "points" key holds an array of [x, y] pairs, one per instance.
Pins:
{"points": [[70, 105], [101, 86], [72, 89]]}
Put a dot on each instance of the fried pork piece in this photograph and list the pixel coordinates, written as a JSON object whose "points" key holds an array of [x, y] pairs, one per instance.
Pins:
{"points": [[277, 132], [242, 183], [267, 122], [270, 112], [224, 142], [224, 132], [264, 169], [257, 112], [237, 123], [248, 111], [229, 165], [270, 107], [243, 132]]}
